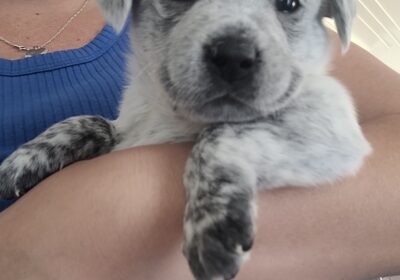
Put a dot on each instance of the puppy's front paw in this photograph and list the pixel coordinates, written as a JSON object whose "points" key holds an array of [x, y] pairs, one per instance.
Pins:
{"points": [[216, 246]]}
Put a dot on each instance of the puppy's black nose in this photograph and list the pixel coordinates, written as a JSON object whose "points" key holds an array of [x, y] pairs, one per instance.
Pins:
{"points": [[232, 58]]}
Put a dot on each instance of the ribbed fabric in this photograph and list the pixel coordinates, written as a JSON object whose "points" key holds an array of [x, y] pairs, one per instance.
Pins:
{"points": [[40, 91]]}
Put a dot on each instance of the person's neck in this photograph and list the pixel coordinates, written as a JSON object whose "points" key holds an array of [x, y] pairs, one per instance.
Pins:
{"points": [[33, 22]]}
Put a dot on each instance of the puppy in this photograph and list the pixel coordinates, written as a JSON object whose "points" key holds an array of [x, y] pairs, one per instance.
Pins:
{"points": [[247, 80]]}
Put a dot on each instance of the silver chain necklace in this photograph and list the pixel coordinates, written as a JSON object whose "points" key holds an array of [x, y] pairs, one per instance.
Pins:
{"points": [[41, 49]]}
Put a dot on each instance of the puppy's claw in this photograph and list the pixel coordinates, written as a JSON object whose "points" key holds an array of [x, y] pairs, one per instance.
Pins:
{"points": [[219, 249], [14, 184]]}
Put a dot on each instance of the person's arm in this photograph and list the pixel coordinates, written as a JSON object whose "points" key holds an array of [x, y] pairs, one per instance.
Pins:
{"points": [[374, 86], [346, 231], [114, 217], [119, 216]]}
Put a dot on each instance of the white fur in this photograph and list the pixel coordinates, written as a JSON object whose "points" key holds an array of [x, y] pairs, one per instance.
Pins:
{"points": [[145, 116]]}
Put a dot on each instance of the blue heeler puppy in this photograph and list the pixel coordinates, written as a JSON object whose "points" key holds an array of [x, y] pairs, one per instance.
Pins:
{"points": [[248, 81]]}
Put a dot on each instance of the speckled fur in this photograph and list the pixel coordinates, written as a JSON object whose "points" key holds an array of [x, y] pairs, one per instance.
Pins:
{"points": [[291, 126], [74, 139]]}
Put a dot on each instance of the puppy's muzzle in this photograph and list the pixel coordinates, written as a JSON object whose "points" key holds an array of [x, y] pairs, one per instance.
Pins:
{"points": [[232, 59]]}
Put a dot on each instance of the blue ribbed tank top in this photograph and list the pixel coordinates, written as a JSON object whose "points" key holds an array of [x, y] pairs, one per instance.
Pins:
{"points": [[40, 91]]}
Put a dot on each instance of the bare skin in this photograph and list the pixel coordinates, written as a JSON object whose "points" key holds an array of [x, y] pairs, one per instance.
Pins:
{"points": [[33, 22], [120, 216]]}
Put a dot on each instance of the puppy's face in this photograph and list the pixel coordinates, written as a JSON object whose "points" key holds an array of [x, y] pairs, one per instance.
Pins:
{"points": [[231, 60]]}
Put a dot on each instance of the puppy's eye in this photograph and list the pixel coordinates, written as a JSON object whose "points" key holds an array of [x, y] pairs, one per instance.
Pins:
{"points": [[288, 6]]}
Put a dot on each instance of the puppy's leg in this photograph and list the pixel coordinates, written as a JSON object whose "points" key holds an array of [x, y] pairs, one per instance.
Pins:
{"points": [[220, 211], [74, 139], [316, 140]]}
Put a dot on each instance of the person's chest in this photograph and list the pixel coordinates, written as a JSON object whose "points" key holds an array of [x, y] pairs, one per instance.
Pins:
{"points": [[34, 23]]}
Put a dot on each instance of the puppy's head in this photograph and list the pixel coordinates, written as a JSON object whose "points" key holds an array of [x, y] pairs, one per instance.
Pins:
{"points": [[232, 60]]}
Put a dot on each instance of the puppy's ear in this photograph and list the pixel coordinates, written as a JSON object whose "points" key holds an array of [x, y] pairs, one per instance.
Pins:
{"points": [[116, 11], [344, 13]]}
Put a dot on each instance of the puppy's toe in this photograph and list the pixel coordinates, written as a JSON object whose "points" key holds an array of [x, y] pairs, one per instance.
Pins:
{"points": [[15, 182], [219, 249]]}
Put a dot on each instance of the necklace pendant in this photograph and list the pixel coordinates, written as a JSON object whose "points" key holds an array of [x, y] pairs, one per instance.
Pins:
{"points": [[35, 51]]}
